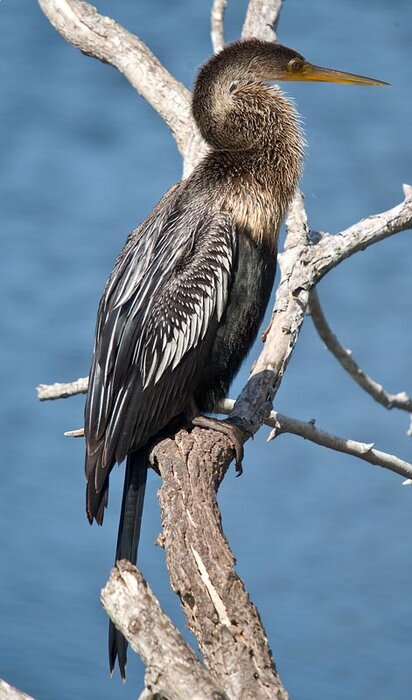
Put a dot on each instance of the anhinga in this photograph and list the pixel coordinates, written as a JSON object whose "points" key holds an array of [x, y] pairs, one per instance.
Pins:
{"points": [[184, 302]]}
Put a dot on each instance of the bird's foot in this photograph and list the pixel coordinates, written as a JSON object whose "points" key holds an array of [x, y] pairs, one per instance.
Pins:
{"points": [[232, 431]]}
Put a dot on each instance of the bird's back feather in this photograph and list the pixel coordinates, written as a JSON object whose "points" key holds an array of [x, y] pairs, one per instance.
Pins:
{"points": [[156, 322]]}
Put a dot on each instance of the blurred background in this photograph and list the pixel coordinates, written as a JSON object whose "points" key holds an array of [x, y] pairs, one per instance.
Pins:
{"points": [[322, 540]]}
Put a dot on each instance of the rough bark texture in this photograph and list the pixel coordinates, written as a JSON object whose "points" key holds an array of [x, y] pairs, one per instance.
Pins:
{"points": [[202, 567], [172, 666]]}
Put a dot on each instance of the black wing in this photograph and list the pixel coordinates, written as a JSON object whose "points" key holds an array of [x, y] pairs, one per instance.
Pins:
{"points": [[156, 321]]}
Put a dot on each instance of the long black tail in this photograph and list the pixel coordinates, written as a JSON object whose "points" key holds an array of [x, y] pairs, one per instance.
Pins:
{"points": [[128, 540]]}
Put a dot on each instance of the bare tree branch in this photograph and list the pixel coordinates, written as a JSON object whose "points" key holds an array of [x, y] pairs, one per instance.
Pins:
{"points": [[332, 250], [217, 24], [171, 665], [103, 38], [58, 390], [9, 692], [262, 19], [344, 356], [202, 568], [78, 433], [297, 223], [301, 267], [366, 451]]}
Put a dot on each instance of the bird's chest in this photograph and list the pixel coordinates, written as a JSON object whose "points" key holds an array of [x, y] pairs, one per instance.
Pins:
{"points": [[257, 199], [249, 293]]}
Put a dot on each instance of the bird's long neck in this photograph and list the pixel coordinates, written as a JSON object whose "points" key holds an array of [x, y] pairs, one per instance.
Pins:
{"points": [[256, 148]]}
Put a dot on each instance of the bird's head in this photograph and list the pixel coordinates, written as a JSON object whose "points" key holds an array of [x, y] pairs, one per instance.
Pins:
{"points": [[265, 61], [274, 62], [231, 102]]}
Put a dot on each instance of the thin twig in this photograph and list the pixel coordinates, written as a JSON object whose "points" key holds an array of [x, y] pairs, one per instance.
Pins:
{"points": [[59, 390], [77, 433], [344, 356], [217, 24], [366, 451]]}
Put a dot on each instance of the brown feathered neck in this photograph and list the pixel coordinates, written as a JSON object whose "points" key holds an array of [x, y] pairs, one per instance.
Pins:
{"points": [[253, 130]]}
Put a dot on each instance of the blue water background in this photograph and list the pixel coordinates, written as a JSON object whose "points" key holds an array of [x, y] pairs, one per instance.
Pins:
{"points": [[322, 540]]}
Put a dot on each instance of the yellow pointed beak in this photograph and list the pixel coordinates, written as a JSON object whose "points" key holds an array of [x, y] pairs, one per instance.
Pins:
{"points": [[310, 72]]}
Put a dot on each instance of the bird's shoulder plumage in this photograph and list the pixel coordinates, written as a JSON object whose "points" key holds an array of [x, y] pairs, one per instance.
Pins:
{"points": [[156, 321]]}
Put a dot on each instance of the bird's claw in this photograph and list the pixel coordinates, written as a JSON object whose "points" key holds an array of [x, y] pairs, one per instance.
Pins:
{"points": [[230, 430]]}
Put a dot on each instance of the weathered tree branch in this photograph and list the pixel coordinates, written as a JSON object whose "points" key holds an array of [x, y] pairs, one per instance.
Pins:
{"points": [[202, 568], [262, 19], [362, 450], [344, 356], [285, 424], [59, 390], [171, 665], [332, 250], [9, 692], [101, 37], [217, 24]]}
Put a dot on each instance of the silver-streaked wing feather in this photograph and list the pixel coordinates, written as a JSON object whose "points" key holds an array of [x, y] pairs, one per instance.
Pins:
{"points": [[157, 318]]}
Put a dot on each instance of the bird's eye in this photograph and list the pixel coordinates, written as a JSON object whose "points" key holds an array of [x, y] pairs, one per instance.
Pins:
{"points": [[295, 65]]}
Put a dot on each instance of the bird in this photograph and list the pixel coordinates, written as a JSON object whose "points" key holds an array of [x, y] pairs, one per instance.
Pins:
{"points": [[184, 302]]}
